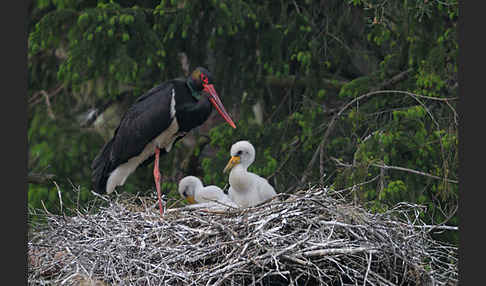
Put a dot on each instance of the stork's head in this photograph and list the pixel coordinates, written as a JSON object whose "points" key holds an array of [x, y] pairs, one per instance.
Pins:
{"points": [[188, 186], [202, 80], [242, 152], [200, 77]]}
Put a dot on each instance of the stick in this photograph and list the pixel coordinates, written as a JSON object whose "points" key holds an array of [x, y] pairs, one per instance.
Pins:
{"points": [[36, 178], [331, 251]]}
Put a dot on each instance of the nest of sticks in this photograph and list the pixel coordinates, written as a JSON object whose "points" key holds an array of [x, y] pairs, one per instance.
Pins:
{"points": [[312, 237]]}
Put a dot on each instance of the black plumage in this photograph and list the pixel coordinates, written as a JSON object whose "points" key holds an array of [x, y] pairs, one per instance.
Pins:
{"points": [[150, 116]]}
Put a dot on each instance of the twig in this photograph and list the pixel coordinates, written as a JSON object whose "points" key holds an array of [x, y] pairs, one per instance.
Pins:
{"points": [[38, 96], [395, 79], [36, 178], [58, 194], [282, 102], [383, 166], [332, 251], [358, 185], [367, 270], [291, 81], [306, 172], [48, 104]]}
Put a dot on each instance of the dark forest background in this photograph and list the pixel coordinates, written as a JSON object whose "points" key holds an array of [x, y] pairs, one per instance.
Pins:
{"points": [[357, 95]]}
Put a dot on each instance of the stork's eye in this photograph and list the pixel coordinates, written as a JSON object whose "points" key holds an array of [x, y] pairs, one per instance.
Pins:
{"points": [[204, 78]]}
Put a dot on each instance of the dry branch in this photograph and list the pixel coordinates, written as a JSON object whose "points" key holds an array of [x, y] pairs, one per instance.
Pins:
{"points": [[383, 166], [42, 94], [398, 168], [291, 81], [36, 178], [313, 236], [395, 79]]}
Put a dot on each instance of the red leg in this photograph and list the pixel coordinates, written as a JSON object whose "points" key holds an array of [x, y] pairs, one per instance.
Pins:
{"points": [[157, 179]]}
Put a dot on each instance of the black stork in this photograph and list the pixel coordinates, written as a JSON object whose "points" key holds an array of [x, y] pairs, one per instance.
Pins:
{"points": [[152, 125]]}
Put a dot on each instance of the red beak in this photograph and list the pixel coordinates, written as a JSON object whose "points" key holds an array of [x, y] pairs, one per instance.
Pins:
{"points": [[214, 98]]}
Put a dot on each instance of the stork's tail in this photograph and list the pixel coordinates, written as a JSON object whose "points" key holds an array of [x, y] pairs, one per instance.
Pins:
{"points": [[101, 168]]}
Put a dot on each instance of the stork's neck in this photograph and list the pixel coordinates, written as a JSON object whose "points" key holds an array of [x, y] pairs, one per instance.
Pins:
{"points": [[196, 94], [239, 178], [197, 193]]}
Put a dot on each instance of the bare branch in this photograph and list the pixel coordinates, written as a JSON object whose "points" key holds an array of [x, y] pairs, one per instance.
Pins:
{"points": [[333, 251], [383, 166], [39, 95], [48, 104], [42, 179], [394, 80], [291, 81]]}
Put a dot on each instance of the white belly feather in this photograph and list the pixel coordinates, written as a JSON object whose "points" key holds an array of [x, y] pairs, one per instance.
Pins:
{"points": [[248, 189]]}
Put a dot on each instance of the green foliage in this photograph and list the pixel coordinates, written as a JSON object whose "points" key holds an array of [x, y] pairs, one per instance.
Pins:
{"points": [[107, 41], [409, 143]]}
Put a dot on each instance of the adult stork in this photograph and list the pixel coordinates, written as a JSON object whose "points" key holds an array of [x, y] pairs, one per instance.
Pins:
{"points": [[152, 125], [246, 188]]}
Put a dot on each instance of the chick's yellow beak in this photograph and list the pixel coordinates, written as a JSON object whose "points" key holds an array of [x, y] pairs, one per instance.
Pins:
{"points": [[231, 163], [191, 200]]}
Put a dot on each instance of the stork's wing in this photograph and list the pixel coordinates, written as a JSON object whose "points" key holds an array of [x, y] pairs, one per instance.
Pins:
{"points": [[144, 120]]}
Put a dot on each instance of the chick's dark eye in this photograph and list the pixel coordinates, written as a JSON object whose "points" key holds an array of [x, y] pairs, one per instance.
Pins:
{"points": [[239, 152]]}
